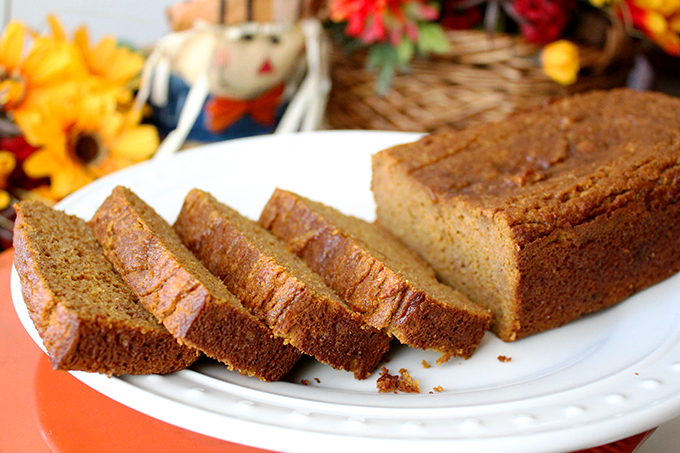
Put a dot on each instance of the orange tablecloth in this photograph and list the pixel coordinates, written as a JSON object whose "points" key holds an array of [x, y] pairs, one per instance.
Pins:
{"points": [[44, 411], [51, 411]]}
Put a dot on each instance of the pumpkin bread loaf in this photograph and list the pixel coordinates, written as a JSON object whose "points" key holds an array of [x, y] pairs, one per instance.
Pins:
{"points": [[88, 319], [549, 215], [378, 276], [192, 303], [279, 287]]}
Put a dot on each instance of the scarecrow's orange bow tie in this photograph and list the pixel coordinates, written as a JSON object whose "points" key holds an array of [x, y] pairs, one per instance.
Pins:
{"points": [[223, 112]]}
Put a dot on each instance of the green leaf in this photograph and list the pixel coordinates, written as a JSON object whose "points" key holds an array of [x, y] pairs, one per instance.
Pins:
{"points": [[377, 56], [383, 59], [432, 38], [384, 80], [382, 55], [406, 51]]}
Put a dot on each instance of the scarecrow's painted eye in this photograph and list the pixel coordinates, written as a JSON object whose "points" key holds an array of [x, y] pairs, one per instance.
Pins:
{"points": [[275, 39], [247, 37]]}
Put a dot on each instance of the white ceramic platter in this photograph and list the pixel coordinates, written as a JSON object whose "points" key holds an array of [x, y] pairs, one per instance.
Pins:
{"points": [[599, 379]]}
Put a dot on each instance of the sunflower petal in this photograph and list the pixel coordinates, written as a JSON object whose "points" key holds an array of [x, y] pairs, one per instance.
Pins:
{"points": [[58, 30], [125, 65], [93, 110], [7, 164], [136, 143], [111, 127], [30, 122], [12, 44], [41, 164], [100, 57], [5, 199], [46, 117], [11, 93], [69, 178], [81, 38], [47, 61]]}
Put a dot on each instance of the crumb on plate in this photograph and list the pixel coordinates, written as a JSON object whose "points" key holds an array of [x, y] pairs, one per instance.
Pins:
{"points": [[403, 383], [444, 358]]}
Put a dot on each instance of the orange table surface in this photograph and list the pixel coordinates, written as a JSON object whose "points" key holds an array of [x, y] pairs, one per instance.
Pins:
{"points": [[43, 410]]}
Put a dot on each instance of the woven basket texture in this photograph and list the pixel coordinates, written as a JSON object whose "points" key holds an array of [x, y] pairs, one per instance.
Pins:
{"points": [[483, 78]]}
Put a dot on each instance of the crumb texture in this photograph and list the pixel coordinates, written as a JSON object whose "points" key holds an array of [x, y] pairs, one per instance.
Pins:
{"points": [[549, 215], [392, 287], [404, 382], [570, 162], [278, 287], [87, 316], [190, 301]]}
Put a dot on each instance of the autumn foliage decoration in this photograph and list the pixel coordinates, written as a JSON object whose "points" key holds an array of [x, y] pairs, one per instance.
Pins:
{"points": [[65, 111], [395, 31]]}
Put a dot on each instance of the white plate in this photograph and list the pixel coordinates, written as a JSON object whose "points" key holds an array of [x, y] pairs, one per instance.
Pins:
{"points": [[599, 379]]}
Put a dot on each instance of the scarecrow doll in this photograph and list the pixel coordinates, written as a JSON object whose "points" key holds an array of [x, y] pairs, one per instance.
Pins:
{"points": [[236, 68]]}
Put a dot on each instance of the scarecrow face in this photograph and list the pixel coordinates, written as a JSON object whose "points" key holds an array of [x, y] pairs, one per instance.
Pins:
{"points": [[242, 61], [252, 58]]}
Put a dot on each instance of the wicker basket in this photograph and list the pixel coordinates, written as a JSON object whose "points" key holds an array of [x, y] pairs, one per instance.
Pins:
{"points": [[483, 78]]}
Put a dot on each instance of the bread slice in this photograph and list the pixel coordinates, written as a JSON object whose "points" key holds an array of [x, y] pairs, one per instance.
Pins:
{"points": [[191, 302], [88, 319], [378, 276], [278, 287]]}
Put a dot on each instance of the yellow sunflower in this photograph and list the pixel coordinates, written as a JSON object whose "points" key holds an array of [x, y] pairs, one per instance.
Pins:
{"points": [[109, 66], [82, 135], [46, 62], [11, 46], [7, 164]]}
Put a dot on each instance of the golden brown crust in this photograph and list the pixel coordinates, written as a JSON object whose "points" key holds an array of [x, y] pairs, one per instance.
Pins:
{"points": [[377, 276], [549, 215], [278, 287], [88, 319], [192, 303]]}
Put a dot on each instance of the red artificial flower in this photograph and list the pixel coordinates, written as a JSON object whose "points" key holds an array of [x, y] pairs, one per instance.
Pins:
{"points": [[542, 21], [18, 146], [21, 149], [656, 26], [454, 18], [382, 20]]}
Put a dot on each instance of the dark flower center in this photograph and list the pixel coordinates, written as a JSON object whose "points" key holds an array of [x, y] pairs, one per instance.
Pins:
{"points": [[88, 148]]}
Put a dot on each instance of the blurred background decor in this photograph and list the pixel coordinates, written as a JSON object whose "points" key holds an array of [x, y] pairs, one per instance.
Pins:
{"points": [[75, 108], [66, 113], [74, 105], [237, 68], [499, 56]]}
